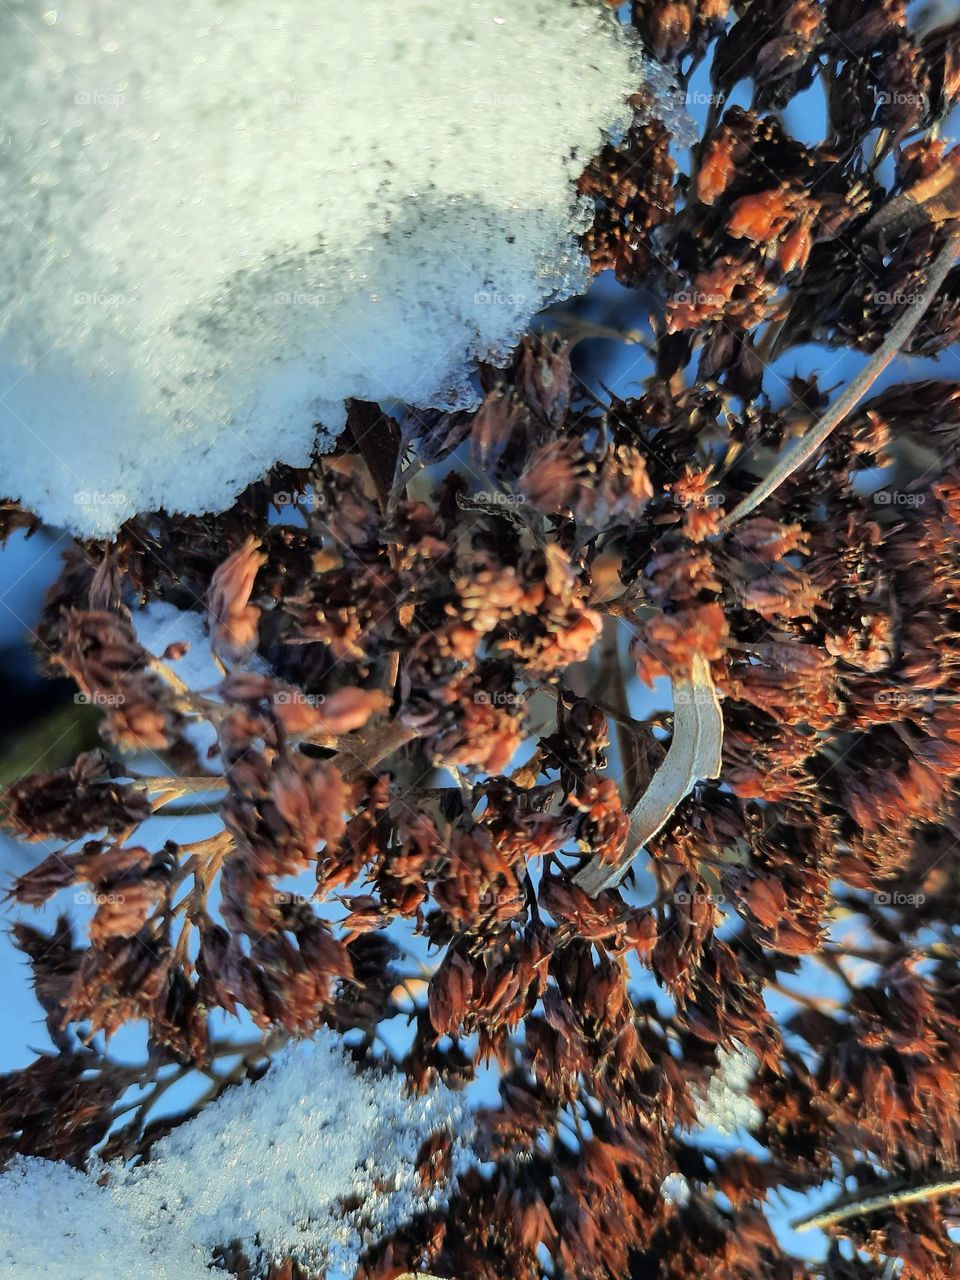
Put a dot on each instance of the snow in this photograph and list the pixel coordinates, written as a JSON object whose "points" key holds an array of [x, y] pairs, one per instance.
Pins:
{"points": [[160, 624], [220, 221], [58, 1223], [725, 1111], [267, 1165], [725, 1106]]}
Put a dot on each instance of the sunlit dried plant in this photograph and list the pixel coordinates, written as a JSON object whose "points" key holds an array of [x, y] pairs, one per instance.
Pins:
{"points": [[447, 580]]}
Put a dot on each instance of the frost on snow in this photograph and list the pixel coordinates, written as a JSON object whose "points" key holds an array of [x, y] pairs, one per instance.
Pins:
{"points": [[221, 220], [267, 1165]]}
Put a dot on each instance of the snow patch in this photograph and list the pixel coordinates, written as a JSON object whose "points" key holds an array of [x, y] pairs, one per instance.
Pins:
{"points": [[160, 624], [725, 1105], [268, 1164], [57, 1223], [219, 221]]}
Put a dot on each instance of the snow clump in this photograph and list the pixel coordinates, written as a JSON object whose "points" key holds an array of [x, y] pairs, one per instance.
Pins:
{"points": [[725, 1104], [57, 1223], [268, 1164], [220, 221]]}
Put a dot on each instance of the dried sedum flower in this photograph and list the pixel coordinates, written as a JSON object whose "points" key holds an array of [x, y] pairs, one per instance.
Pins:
{"points": [[385, 619]]}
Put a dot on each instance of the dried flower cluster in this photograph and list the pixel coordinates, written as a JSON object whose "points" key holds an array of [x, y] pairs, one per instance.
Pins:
{"points": [[392, 624]]}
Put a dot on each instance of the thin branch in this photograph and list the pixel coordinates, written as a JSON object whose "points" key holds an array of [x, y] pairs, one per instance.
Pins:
{"points": [[639, 728], [183, 785], [886, 1198], [359, 754], [895, 341]]}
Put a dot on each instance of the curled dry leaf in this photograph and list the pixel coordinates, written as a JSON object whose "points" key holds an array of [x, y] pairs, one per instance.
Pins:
{"points": [[694, 755], [233, 619]]}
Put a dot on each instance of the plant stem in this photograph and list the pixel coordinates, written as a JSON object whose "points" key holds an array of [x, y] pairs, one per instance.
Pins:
{"points": [[897, 338], [886, 1198]]}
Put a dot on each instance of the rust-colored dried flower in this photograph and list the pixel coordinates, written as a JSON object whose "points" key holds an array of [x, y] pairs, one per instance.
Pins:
{"points": [[424, 725]]}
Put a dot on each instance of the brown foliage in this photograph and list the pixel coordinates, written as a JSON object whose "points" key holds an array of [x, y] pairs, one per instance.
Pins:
{"points": [[439, 624]]}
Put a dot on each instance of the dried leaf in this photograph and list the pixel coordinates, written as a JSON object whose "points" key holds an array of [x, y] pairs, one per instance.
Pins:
{"points": [[694, 754]]}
